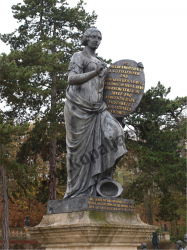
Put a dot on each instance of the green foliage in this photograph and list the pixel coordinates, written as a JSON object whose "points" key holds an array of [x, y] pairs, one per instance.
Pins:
{"points": [[42, 192], [178, 237], [62, 174], [20, 172], [159, 124], [33, 77], [159, 230], [168, 208]]}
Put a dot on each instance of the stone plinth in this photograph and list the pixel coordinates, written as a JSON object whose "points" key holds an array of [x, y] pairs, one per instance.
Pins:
{"points": [[27, 232], [166, 236], [91, 230]]}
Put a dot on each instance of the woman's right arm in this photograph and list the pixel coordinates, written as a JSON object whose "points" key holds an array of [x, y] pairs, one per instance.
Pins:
{"points": [[77, 79]]}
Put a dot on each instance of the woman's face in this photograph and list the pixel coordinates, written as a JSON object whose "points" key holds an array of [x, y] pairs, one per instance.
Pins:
{"points": [[94, 40]]}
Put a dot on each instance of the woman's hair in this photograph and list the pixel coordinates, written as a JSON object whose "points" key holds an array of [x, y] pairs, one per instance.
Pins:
{"points": [[87, 34]]}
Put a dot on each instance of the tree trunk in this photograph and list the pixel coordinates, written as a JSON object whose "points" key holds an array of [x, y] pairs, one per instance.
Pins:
{"points": [[159, 217], [176, 226], [53, 130], [52, 167], [183, 150], [5, 216], [148, 208], [41, 17], [52, 150], [172, 232]]}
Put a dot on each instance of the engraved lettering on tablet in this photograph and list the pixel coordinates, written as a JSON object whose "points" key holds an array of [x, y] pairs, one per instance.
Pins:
{"points": [[127, 82], [110, 205]]}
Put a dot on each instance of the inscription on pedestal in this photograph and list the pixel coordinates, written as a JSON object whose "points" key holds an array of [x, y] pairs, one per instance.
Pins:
{"points": [[124, 87], [111, 205], [90, 203]]}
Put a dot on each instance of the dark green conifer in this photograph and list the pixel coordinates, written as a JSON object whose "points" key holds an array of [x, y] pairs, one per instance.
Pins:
{"points": [[34, 75], [159, 124]]}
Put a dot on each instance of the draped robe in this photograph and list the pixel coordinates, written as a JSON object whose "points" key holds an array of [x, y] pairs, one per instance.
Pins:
{"points": [[94, 138]]}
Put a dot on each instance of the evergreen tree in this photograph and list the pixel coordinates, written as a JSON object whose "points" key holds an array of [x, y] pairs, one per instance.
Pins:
{"points": [[159, 124], [34, 75]]}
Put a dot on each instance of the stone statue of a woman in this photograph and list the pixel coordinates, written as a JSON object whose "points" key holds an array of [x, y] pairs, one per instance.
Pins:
{"points": [[95, 139]]}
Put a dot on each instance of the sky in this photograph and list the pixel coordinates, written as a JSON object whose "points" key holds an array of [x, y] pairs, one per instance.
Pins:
{"points": [[153, 32]]}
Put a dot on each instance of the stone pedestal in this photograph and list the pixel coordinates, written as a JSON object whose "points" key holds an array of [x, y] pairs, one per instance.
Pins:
{"points": [[91, 230], [27, 232], [167, 236]]}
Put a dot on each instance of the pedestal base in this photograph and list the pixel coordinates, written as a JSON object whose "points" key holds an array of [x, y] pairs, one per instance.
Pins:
{"points": [[91, 230], [95, 247]]}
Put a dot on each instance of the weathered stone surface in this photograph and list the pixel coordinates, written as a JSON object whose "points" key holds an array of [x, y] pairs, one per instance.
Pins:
{"points": [[91, 230], [90, 203]]}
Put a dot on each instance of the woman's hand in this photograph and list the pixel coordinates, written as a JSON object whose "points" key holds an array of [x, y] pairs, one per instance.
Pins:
{"points": [[76, 79], [99, 68]]}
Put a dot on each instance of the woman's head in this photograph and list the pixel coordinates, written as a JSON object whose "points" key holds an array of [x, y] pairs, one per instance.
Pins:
{"points": [[88, 33]]}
